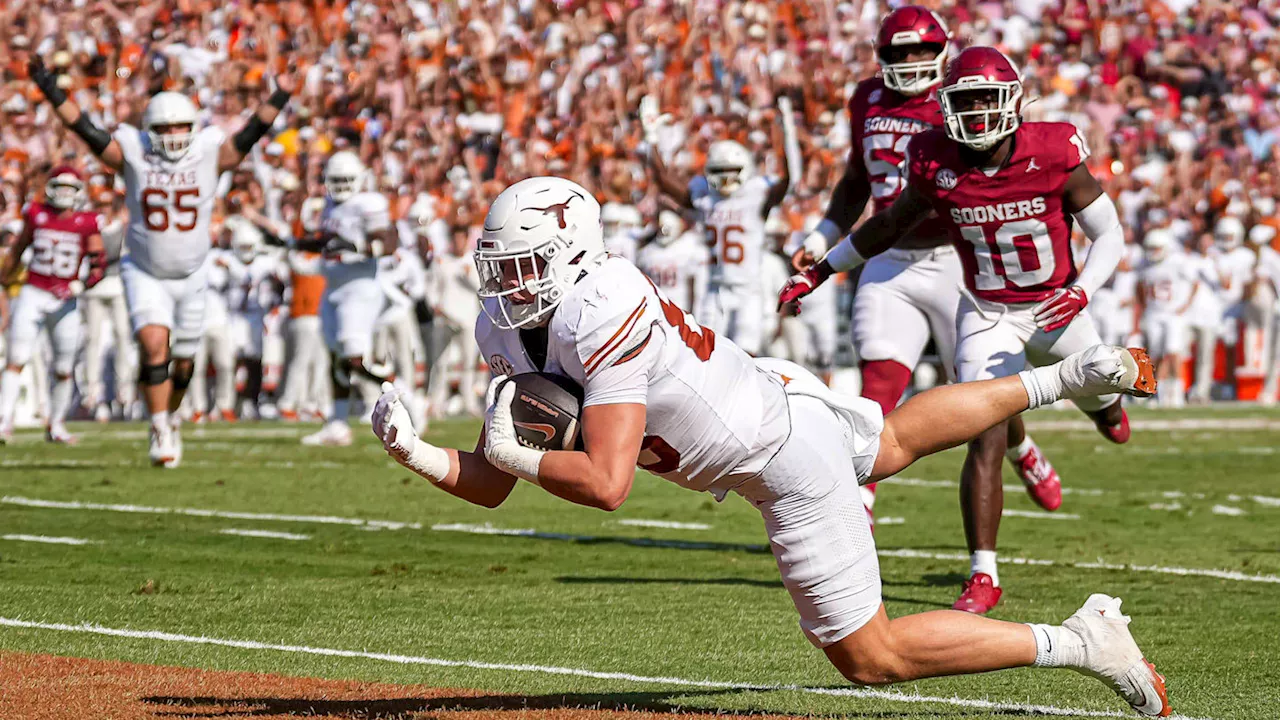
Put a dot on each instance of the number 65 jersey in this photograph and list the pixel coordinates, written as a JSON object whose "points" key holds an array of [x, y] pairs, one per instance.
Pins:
{"points": [[712, 420], [1010, 228], [170, 202]]}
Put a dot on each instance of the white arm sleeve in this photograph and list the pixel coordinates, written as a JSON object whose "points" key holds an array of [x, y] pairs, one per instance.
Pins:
{"points": [[1101, 224]]}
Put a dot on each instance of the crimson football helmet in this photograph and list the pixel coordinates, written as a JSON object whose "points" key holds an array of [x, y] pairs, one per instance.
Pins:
{"points": [[981, 98], [912, 25], [65, 188]]}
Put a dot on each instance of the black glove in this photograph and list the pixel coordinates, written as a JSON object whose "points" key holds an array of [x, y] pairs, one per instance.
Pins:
{"points": [[337, 245], [47, 81], [424, 312]]}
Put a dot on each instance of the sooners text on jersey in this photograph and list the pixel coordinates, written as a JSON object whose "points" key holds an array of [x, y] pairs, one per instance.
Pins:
{"points": [[1011, 229], [57, 245]]}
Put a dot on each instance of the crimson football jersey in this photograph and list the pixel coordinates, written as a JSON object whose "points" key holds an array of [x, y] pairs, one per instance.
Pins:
{"points": [[1010, 228], [883, 122], [57, 246]]}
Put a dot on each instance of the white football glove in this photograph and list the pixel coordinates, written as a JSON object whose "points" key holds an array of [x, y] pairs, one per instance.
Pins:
{"points": [[501, 446], [394, 428], [652, 120]]}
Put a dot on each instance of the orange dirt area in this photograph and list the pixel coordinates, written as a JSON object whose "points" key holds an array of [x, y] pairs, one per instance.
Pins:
{"points": [[47, 687]]}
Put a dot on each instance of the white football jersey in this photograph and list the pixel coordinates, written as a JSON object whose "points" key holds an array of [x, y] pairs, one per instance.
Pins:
{"points": [[1167, 284], [354, 220], [623, 244], [713, 420], [1236, 267], [678, 269], [170, 202], [217, 306], [735, 229], [255, 287]]}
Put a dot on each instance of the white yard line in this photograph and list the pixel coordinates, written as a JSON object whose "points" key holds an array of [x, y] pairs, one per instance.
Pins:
{"points": [[639, 541], [1228, 510], [264, 534], [1223, 424], [887, 695], [49, 539], [665, 524], [201, 512], [1038, 514]]}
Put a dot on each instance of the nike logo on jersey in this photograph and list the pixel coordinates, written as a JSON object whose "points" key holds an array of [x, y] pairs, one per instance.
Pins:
{"points": [[1032, 165]]}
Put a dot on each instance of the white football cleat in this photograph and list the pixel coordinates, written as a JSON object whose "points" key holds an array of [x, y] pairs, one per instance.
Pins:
{"points": [[1112, 656], [161, 449], [60, 435], [175, 441], [1104, 369], [335, 433]]}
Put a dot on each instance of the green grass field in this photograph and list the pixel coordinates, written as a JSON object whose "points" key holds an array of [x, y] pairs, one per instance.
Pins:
{"points": [[688, 615]]}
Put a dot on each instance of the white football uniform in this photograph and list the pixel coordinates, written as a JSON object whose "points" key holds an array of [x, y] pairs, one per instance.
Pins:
{"points": [[734, 305], [253, 292], [353, 299], [1236, 266], [623, 244], [1167, 286], [1112, 306], [903, 298], [717, 421], [678, 269], [170, 204]]}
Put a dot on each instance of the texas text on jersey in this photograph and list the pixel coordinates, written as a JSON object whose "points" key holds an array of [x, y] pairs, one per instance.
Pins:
{"points": [[1010, 227], [58, 246], [170, 202], [883, 123], [712, 419]]}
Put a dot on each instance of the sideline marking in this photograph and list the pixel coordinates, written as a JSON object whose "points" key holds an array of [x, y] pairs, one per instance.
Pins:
{"points": [[49, 539], [264, 534], [665, 524], [889, 695], [1038, 514]]}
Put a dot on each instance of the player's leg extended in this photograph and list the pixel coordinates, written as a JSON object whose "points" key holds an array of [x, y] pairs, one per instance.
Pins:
{"points": [[989, 345], [22, 337], [95, 314], [64, 326]]}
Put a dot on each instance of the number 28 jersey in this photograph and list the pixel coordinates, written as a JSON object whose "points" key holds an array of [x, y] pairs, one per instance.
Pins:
{"points": [[1010, 228], [170, 202], [58, 239], [712, 419]]}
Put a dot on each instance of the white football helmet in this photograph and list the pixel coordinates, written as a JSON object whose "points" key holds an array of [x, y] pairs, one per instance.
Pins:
{"points": [[670, 227], [729, 166], [1260, 235], [343, 175], [64, 189], [540, 237], [165, 112], [246, 241], [1157, 244], [611, 218], [1229, 232]]}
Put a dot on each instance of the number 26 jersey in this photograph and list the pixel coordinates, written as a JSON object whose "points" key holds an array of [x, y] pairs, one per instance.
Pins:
{"points": [[170, 202], [712, 419]]}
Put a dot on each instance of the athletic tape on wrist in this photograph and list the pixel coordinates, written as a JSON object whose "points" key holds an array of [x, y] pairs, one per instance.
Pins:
{"points": [[844, 257]]}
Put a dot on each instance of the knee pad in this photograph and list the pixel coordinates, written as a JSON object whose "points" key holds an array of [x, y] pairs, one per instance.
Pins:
{"points": [[182, 373], [884, 381], [154, 374], [340, 372]]}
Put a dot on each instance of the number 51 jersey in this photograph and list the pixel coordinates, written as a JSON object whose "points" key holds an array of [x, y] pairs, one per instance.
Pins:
{"points": [[170, 202], [1010, 228], [712, 420]]}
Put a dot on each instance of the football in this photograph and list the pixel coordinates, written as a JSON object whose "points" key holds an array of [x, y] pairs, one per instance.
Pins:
{"points": [[546, 410]]}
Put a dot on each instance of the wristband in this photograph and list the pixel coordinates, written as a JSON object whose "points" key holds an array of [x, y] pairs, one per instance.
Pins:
{"points": [[95, 137], [278, 99], [250, 134], [844, 257], [1043, 386]]}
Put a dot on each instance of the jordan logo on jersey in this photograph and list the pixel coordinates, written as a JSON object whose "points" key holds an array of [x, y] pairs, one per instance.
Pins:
{"points": [[558, 210]]}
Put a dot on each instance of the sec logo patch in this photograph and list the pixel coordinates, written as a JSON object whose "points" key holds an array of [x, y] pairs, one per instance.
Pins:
{"points": [[500, 365], [946, 179], [874, 97]]}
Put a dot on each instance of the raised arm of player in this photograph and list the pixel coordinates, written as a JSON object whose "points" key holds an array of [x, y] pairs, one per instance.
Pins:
{"points": [[783, 134], [231, 154], [652, 121], [1092, 208], [879, 233], [98, 140]]}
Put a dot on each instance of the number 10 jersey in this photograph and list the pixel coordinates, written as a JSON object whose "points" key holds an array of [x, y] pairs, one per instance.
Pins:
{"points": [[170, 202]]}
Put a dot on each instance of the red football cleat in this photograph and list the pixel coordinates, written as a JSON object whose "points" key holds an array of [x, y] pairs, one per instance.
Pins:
{"points": [[1118, 434], [1040, 479], [979, 596]]}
